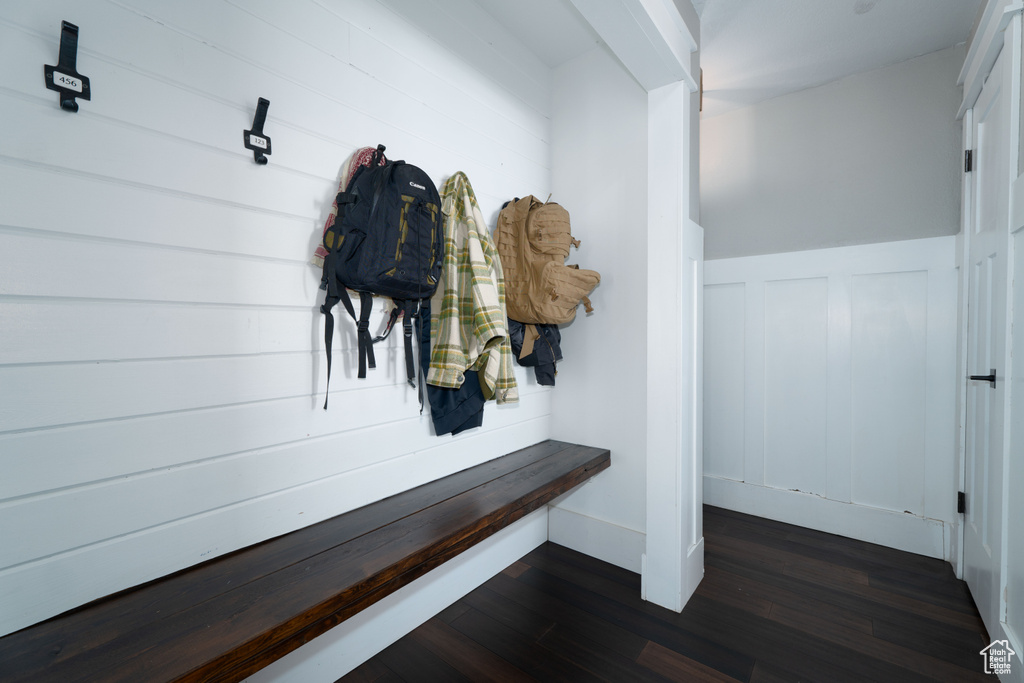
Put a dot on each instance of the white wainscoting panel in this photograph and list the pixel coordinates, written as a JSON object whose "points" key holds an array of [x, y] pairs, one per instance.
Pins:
{"points": [[888, 372], [162, 366], [845, 412], [724, 321], [796, 353]]}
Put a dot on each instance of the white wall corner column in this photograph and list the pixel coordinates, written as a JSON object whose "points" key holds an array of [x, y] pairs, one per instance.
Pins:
{"points": [[657, 41], [674, 562]]}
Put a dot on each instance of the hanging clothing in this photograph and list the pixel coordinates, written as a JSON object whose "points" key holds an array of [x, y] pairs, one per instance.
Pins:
{"points": [[451, 410], [468, 308], [537, 346]]}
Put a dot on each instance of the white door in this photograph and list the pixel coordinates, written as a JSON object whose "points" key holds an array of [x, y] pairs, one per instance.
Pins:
{"points": [[987, 348]]}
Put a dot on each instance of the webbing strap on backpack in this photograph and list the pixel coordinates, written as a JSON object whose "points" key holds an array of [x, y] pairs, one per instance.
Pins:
{"points": [[365, 342], [334, 295], [410, 310]]}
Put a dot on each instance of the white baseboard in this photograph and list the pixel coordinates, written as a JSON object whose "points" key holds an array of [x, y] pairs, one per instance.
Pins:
{"points": [[893, 529], [602, 540], [1001, 632], [346, 646], [694, 569]]}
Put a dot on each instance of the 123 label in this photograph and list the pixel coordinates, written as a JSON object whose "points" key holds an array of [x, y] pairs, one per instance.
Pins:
{"points": [[257, 141], [67, 82]]}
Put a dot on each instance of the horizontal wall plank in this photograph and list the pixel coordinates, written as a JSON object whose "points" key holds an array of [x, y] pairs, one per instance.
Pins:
{"points": [[64, 457], [111, 270], [40, 526], [90, 144], [41, 396], [111, 210], [398, 58], [35, 330], [262, 44], [529, 109], [38, 590], [335, 102], [163, 104], [480, 40]]}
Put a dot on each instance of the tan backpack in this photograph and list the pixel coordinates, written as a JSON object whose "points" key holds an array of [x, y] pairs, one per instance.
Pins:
{"points": [[533, 241]]}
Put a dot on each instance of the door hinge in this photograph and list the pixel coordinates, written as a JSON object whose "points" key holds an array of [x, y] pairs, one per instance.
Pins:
{"points": [[968, 161], [961, 502]]}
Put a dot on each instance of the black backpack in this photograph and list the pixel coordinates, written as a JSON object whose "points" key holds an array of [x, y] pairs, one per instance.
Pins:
{"points": [[388, 240]]}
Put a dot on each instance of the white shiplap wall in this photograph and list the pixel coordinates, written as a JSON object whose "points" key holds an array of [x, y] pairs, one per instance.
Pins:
{"points": [[829, 390], [161, 362]]}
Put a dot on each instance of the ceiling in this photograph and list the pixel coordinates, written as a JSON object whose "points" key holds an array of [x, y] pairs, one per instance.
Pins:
{"points": [[552, 29], [753, 50]]}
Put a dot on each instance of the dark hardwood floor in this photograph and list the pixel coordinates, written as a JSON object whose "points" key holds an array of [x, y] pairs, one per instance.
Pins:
{"points": [[777, 603]]}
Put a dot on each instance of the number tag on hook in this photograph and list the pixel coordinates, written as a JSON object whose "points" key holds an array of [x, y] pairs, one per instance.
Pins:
{"points": [[255, 139], [64, 78]]}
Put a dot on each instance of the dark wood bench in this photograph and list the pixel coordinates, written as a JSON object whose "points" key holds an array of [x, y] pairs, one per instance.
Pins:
{"points": [[227, 618]]}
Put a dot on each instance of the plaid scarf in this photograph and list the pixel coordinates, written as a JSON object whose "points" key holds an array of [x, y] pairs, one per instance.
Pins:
{"points": [[361, 157]]}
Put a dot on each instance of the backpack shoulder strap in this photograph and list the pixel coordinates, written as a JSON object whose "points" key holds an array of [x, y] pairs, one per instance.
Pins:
{"points": [[363, 334]]}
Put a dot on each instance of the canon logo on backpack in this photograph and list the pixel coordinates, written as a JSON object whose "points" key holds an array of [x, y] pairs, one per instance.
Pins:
{"points": [[418, 187]]}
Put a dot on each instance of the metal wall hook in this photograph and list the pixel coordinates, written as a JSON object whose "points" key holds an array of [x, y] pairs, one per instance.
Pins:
{"points": [[255, 139], [64, 78], [990, 378]]}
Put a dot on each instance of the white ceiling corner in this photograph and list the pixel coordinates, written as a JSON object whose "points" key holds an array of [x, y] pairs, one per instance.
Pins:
{"points": [[754, 50]]}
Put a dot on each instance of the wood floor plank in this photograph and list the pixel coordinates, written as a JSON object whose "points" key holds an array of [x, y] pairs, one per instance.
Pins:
{"points": [[677, 667], [818, 544], [470, 659], [942, 591], [865, 600], [778, 604], [728, 592], [956, 645], [370, 671], [529, 623], [587, 564], [522, 652], [452, 612], [768, 673], [605, 633], [914, 659], [795, 599], [808, 655], [647, 621], [601, 662], [412, 661], [515, 569]]}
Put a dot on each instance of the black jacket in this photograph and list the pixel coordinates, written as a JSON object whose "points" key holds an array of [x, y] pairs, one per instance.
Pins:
{"points": [[546, 352]]}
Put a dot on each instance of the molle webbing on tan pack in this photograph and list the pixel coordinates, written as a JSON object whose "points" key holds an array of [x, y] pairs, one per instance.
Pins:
{"points": [[533, 240]]}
